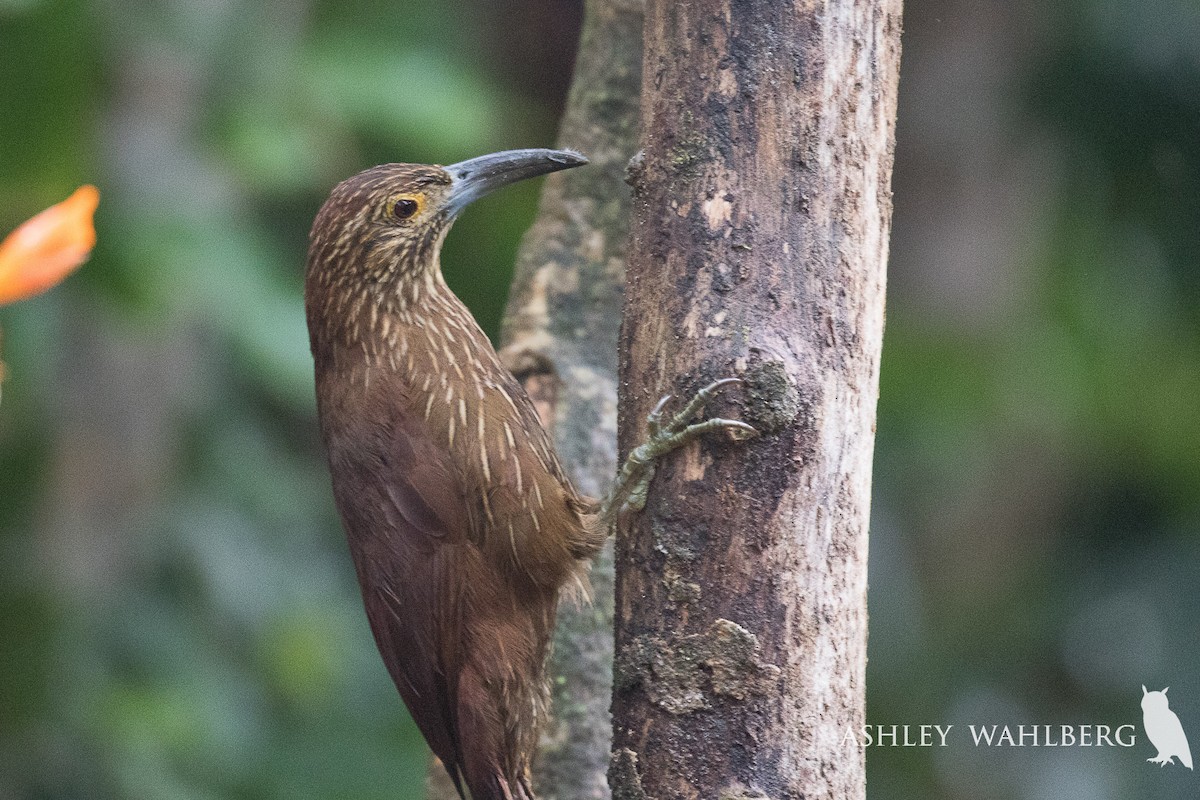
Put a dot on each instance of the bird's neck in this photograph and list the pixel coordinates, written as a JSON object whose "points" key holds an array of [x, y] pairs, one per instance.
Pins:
{"points": [[415, 331]]}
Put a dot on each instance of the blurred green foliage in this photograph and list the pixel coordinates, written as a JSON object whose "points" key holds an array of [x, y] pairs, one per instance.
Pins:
{"points": [[178, 615], [1037, 523]]}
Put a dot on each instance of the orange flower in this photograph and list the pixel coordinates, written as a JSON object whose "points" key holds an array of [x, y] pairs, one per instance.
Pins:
{"points": [[48, 247]]}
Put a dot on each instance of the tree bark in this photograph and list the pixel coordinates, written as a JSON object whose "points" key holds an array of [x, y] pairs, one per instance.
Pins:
{"points": [[760, 232], [560, 339]]}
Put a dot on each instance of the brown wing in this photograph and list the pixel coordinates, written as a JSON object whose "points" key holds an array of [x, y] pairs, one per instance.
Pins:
{"points": [[404, 511], [536, 527]]}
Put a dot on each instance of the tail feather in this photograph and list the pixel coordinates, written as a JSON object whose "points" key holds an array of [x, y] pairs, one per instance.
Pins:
{"points": [[497, 787], [436, 784]]}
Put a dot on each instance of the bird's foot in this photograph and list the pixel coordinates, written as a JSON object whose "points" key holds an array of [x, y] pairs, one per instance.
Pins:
{"points": [[663, 437], [1161, 760]]}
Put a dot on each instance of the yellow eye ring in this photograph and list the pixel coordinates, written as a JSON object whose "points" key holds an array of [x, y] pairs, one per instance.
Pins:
{"points": [[406, 206]]}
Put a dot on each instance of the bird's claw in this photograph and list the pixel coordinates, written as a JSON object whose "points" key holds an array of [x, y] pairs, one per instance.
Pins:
{"points": [[633, 483], [681, 422], [654, 418]]}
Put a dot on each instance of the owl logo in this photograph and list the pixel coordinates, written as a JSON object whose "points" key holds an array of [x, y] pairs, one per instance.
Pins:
{"points": [[1164, 730]]}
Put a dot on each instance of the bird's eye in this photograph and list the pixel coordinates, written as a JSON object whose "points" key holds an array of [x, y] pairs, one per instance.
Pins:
{"points": [[405, 207]]}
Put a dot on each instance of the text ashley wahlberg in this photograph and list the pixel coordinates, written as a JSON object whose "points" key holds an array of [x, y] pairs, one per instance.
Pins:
{"points": [[993, 736]]}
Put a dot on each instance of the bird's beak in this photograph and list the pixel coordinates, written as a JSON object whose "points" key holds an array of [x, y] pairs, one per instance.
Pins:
{"points": [[476, 177]]}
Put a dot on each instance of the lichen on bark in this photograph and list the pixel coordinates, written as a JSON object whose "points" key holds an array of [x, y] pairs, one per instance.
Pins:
{"points": [[682, 674], [623, 776]]}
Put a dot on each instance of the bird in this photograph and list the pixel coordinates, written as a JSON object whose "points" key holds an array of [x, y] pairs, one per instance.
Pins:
{"points": [[461, 522], [1164, 729]]}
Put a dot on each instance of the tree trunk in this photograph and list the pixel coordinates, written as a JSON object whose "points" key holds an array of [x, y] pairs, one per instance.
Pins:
{"points": [[560, 339], [761, 213]]}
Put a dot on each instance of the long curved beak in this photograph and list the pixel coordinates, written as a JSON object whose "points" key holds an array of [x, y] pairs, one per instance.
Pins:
{"points": [[475, 177]]}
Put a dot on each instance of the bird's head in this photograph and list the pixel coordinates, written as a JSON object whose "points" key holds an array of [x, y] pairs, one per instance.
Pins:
{"points": [[388, 223]]}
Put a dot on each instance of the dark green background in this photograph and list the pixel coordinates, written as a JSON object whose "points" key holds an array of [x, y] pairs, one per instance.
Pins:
{"points": [[178, 616]]}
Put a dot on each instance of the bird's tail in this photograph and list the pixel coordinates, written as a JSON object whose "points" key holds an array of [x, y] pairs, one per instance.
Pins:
{"points": [[497, 787]]}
